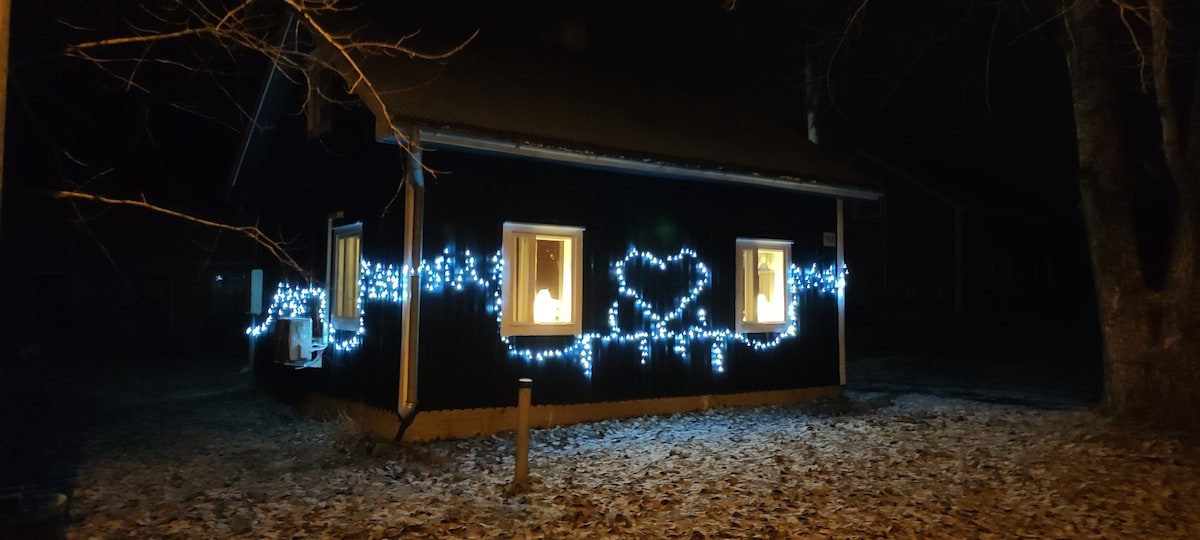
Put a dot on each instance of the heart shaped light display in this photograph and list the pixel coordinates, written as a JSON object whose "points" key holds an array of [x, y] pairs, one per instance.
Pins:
{"points": [[639, 260]]}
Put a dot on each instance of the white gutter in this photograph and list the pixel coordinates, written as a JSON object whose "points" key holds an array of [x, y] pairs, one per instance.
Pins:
{"points": [[654, 168]]}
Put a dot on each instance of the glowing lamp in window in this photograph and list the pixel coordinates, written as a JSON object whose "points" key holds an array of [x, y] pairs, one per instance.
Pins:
{"points": [[543, 280], [762, 297]]}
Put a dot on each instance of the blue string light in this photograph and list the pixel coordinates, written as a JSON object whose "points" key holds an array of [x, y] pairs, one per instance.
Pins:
{"points": [[389, 283]]}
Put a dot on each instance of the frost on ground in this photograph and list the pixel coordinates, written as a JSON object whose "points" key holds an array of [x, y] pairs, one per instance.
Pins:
{"points": [[235, 464]]}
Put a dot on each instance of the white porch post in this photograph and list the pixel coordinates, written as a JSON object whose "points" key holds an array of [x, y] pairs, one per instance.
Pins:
{"points": [[414, 216], [841, 297]]}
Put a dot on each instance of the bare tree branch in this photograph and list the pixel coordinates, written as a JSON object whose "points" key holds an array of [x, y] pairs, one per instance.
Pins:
{"points": [[75, 48], [850, 22], [274, 247], [248, 26], [1126, 9], [1172, 139], [232, 13], [236, 28], [1183, 263], [355, 75]]}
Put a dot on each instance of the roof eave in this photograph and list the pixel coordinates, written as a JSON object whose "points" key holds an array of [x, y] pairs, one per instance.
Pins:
{"points": [[465, 141]]}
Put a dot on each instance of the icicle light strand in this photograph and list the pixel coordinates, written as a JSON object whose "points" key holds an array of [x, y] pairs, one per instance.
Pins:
{"points": [[388, 283]]}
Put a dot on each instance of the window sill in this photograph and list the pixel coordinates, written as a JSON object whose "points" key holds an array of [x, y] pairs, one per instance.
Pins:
{"points": [[544, 329]]}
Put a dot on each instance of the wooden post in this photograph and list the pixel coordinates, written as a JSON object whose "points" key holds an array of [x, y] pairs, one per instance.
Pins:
{"points": [[524, 391]]}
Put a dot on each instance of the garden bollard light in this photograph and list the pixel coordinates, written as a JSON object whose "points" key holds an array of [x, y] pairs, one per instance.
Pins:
{"points": [[524, 389]]}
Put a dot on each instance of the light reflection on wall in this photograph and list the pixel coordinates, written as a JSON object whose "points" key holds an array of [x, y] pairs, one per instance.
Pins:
{"points": [[683, 324]]}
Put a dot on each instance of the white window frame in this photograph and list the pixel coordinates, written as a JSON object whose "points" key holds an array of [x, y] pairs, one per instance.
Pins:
{"points": [[343, 283], [743, 302], [509, 325]]}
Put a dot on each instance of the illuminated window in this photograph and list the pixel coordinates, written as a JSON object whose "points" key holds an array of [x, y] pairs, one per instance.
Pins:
{"points": [[343, 289], [762, 299], [543, 280]]}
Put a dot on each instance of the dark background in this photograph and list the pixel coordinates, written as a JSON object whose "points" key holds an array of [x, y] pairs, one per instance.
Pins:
{"points": [[960, 110]]}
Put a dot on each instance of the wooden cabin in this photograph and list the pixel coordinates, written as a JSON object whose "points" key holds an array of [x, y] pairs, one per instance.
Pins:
{"points": [[632, 249]]}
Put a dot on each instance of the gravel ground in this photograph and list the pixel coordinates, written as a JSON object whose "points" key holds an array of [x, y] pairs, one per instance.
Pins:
{"points": [[204, 455]]}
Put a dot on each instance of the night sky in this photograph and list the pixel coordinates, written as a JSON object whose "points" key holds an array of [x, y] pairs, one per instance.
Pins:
{"points": [[970, 97], [950, 90]]}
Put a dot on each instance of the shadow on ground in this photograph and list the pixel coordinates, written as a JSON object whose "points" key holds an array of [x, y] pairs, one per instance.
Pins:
{"points": [[1026, 380], [51, 407], [40, 420]]}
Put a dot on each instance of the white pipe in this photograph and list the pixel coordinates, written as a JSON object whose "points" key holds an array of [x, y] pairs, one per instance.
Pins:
{"points": [[414, 215]]}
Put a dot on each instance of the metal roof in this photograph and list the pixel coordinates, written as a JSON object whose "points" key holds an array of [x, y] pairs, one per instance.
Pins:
{"points": [[548, 108]]}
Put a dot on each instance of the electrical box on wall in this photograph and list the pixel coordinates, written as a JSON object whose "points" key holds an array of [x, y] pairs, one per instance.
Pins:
{"points": [[256, 291], [294, 344]]}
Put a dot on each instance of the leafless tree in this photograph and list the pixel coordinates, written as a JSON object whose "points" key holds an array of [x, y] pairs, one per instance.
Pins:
{"points": [[298, 37], [1141, 55], [1134, 70]]}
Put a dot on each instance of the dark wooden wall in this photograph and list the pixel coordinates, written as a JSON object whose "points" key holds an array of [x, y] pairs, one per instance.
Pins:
{"points": [[463, 362]]}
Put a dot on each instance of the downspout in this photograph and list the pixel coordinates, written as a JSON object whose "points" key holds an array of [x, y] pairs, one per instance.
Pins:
{"points": [[414, 216], [841, 295]]}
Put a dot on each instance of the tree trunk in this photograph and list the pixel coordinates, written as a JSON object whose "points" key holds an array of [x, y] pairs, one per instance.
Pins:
{"points": [[1151, 335]]}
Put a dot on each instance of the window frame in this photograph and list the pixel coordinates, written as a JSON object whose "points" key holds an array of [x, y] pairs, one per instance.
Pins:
{"points": [[509, 326], [337, 287], [741, 325]]}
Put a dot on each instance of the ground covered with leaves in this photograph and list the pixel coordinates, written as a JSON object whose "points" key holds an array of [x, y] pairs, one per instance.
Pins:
{"points": [[214, 458]]}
